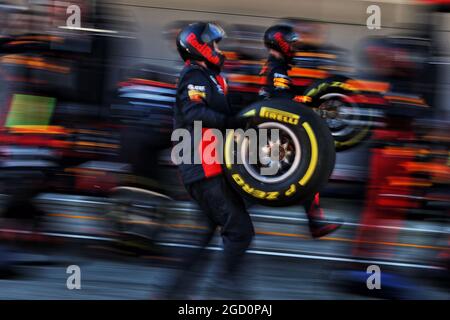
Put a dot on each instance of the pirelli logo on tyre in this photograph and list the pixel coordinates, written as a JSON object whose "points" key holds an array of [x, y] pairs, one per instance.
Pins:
{"points": [[279, 115]]}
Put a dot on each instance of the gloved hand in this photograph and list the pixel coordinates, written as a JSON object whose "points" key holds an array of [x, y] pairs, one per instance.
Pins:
{"points": [[235, 123], [302, 99]]}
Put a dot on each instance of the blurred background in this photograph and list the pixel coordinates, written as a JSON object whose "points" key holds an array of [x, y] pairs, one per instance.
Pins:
{"points": [[85, 171]]}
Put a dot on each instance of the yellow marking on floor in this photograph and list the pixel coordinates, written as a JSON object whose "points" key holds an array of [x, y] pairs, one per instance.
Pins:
{"points": [[282, 234], [71, 216], [261, 232]]}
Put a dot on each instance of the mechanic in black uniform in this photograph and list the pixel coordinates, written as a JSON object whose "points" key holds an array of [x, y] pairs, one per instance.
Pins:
{"points": [[202, 96], [280, 40]]}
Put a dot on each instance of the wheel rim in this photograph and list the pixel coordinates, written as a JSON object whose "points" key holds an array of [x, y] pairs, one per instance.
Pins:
{"points": [[289, 154], [332, 109]]}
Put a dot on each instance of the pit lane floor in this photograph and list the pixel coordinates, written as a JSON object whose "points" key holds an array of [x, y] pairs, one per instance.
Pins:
{"points": [[283, 263]]}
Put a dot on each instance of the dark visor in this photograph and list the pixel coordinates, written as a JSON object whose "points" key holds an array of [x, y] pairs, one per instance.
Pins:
{"points": [[212, 33], [292, 37]]}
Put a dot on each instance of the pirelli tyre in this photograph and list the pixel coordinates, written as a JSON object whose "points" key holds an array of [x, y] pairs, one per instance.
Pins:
{"points": [[305, 158]]}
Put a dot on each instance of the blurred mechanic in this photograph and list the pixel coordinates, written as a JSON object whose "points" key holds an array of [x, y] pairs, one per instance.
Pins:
{"points": [[202, 96], [280, 40]]}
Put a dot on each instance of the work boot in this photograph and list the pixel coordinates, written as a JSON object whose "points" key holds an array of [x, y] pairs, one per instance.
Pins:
{"points": [[320, 228]]}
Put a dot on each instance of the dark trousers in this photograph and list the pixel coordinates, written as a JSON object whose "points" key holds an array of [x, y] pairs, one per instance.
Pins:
{"points": [[222, 207]]}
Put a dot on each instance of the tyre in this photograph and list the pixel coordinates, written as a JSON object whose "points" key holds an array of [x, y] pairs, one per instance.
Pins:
{"points": [[348, 122], [344, 119], [304, 162], [137, 218]]}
